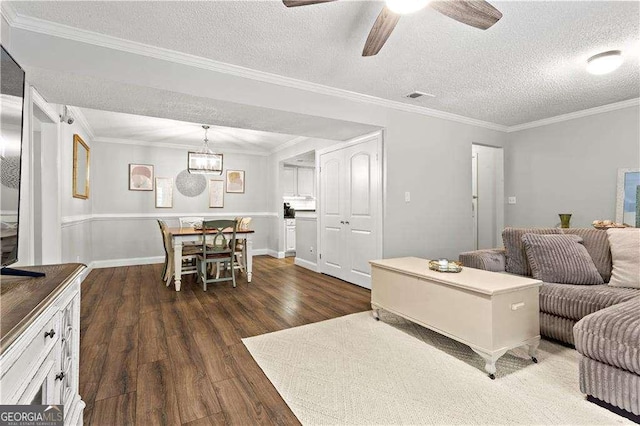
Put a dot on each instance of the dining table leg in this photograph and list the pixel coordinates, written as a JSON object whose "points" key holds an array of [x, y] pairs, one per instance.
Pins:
{"points": [[177, 261], [249, 258]]}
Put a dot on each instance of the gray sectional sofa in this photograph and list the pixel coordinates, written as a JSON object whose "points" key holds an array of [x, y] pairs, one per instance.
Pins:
{"points": [[601, 321]]}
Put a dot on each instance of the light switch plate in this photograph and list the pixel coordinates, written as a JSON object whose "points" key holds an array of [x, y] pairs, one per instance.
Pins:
{"points": [[512, 200], [407, 197]]}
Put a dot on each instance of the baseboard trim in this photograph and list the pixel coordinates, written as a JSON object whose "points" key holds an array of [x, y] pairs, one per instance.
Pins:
{"points": [[114, 263], [306, 264], [276, 254]]}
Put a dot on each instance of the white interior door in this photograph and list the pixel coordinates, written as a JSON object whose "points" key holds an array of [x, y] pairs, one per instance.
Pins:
{"points": [[489, 196], [361, 211], [350, 195], [474, 198], [332, 210]]}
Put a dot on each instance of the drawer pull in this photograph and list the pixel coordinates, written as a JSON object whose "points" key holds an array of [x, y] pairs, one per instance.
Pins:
{"points": [[49, 334], [60, 376], [516, 306]]}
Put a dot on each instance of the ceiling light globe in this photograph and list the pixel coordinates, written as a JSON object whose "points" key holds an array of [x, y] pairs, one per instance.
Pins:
{"points": [[403, 7], [605, 62]]}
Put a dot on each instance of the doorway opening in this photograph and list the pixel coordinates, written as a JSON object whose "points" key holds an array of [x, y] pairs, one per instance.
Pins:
{"points": [[487, 182]]}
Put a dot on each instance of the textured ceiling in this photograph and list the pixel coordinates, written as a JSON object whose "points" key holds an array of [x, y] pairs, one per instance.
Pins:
{"points": [[529, 66], [96, 93], [117, 125]]}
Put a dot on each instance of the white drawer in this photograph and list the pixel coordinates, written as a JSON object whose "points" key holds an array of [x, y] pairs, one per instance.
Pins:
{"points": [[18, 371]]}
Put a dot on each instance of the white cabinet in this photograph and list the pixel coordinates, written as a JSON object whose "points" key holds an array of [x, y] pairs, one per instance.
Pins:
{"points": [[40, 363], [299, 182], [290, 181], [306, 178], [289, 235]]}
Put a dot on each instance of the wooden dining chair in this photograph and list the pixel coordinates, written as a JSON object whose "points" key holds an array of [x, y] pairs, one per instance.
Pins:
{"points": [[189, 253], [218, 250], [191, 222], [163, 226], [240, 262]]}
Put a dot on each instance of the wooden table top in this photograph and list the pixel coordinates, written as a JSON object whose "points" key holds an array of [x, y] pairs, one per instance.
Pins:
{"points": [[22, 299], [193, 231], [475, 280]]}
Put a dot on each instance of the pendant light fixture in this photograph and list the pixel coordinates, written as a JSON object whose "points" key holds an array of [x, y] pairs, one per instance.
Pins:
{"points": [[204, 161]]}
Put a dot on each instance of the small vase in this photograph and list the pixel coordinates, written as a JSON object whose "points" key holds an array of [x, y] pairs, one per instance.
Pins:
{"points": [[565, 218]]}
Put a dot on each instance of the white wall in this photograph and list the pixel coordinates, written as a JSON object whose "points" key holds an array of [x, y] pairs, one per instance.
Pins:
{"points": [[124, 221], [570, 167], [77, 232]]}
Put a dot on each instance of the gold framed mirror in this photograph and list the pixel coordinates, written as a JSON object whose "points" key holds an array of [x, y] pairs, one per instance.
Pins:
{"points": [[80, 168]]}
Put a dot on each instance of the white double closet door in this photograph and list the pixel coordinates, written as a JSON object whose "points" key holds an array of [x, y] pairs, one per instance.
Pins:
{"points": [[350, 211]]}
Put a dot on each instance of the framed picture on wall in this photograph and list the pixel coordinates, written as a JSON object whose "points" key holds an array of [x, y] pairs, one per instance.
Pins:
{"points": [[164, 193], [80, 168], [235, 181], [216, 194], [140, 177], [628, 197]]}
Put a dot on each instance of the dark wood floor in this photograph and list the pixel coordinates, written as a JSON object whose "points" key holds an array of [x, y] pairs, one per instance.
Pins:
{"points": [[152, 356]]}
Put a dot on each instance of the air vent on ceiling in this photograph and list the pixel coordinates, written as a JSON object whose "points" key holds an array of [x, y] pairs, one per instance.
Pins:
{"points": [[416, 94]]}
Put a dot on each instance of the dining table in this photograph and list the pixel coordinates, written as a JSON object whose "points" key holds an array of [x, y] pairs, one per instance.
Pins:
{"points": [[182, 235]]}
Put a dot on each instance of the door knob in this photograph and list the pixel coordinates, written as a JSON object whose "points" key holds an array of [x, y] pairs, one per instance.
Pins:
{"points": [[347, 222], [342, 222]]}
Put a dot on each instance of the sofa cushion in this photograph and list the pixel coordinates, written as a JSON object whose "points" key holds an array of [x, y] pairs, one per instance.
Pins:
{"points": [[577, 301], [560, 259], [625, 252], [516, 258], [597, 244], [612, 336]]}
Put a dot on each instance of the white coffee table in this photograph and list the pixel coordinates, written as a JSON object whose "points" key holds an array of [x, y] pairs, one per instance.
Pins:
{"points": [[488, 311]]}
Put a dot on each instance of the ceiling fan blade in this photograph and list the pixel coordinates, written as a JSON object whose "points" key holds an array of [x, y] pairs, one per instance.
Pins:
{"points": [[295, 3], [477, 13], [380, 32]]}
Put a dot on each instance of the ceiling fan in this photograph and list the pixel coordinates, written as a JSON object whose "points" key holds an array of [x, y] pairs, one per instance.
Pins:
{"points": [[476, 13]]}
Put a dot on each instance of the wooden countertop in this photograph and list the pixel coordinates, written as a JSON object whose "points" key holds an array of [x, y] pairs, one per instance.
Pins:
{"points": [[475, 280], [22, 299]]}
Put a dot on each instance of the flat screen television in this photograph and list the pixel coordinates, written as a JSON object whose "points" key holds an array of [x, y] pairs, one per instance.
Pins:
{"points": [[11, 121]]}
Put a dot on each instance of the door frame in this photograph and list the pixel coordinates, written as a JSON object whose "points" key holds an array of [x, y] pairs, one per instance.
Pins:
{"points": [[378, 136], [500, 198]]}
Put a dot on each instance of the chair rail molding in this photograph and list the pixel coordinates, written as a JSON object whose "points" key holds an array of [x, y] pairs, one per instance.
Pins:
{"points": [[76, 220]]}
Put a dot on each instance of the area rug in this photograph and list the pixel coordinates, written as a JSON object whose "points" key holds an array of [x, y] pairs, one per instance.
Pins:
{"points": [[355, 370]]}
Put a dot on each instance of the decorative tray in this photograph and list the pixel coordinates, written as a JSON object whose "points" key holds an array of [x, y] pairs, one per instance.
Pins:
{"points": [[444, 265], [606, 224]]}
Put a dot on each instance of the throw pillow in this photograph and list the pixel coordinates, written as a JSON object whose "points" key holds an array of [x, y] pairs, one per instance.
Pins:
{"points": [[560, 259], [625, 252], [597, 244], [516, 258]]}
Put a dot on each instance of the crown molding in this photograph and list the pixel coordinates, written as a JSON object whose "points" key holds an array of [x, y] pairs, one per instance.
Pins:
{"points": [[183, 147], [576, 114], [82, 120], [41, 26]]}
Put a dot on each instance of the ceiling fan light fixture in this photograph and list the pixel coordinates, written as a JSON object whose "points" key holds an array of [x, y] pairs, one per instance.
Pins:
{"points": [[605, 62], [403, 7]]}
